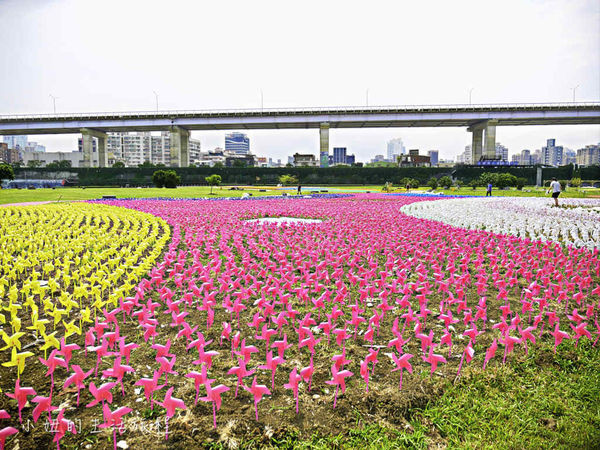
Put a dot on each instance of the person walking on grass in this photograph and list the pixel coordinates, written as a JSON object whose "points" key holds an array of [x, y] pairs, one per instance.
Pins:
{"points": [[488, 192], [299, 189], [555, 188]]}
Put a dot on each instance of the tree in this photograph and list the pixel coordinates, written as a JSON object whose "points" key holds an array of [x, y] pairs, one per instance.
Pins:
{"points": [[34, 164], [445, 182], [432, 183], [218, 165], [575, 182], [6, 172], [61, 165], [238, 162], [213, 180], [158, 178], [521, 182], [118, 165], [288, 180]]}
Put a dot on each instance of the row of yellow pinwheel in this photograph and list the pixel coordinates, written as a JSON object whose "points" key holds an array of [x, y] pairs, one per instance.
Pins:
{"points": [[61, 263]]}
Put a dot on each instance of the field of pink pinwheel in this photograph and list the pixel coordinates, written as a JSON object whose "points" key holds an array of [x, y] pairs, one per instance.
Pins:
{"points": [[370, 328]]}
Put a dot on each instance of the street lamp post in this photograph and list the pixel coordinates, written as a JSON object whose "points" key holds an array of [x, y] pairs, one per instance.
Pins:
{"points": [[574, 89], [53, 102], [156, 97]]}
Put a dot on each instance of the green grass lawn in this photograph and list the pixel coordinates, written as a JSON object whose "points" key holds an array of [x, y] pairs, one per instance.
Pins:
{"points": [[72, 193], [40, 195]]}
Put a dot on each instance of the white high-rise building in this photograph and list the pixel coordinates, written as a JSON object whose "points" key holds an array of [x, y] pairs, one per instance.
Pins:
{"points": [[134, 149], [465, 157], [501, 152], [395, 148], [552, 155]]}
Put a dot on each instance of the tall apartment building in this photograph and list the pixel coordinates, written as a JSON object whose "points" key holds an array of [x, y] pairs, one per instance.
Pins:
{"points": [[395, 147], [466, 157], [237, 143], [18, 142], [501, 152], [552, 155], [134, 149], [589, 155], [434, 157], [8, 155], [339, 155]]}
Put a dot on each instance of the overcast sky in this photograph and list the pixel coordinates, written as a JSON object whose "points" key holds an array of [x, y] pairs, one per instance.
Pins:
{"points": [[111, 55]]}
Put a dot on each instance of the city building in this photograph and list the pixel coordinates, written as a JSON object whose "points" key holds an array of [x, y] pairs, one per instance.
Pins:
{"points": [[8, 155], [501, 153], [45, 158], [378, 158], [434, 156], [465, 157], [34, 147], [413, 159], [237, 143], [552, 155], [233, 160], [589, 155], [339, 155], [395, 148], [350, 159], [305, 160], [261, 161], [569, 156], [17, 142]]}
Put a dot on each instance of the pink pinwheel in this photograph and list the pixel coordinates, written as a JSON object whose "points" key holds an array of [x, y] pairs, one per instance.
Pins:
{"points": [[271, 365], [225, 333], [339, 379], [4, 414], [77, 379], [62, 426], [20, 395], [214, 395], [509, 342], [163, 350], [114, 419], [580, 330], [101, 394], [125, 349], [4, 433], [434, 359], [467, 354], [118, 371], [364, 372], [52, 363], [246, 350], [150, 386], [306, 373], [490, 352], [293, 384], [43, 404], [67, 350], [101, 352], [257, 391], [558, 336], [241, 372], [401, 364], [170, 404], [527, 335], [281, 346], [199, 378]]}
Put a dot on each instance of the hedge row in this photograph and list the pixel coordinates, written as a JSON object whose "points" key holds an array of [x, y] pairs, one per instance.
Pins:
{"points": [[307, 175]]}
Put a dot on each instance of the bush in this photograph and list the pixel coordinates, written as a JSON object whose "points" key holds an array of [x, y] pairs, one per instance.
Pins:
{"points": [[213, 180], [119, 164], [432, 183], [575, 182], [563, 184], [445, 182], [521, 182], [166, 178], [288, 180], [6, 172]]}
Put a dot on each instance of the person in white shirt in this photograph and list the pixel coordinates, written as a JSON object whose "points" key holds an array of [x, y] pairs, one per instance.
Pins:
{"points": [[555, 188]]}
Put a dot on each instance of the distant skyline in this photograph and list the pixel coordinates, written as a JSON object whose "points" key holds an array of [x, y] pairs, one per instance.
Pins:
{"points": [[114, 56]]}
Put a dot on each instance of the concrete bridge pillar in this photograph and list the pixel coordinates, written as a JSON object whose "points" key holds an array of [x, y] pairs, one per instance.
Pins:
{"points": [[476, 145], [88, 135], [490, 139], [180, 156], [324, 147]]}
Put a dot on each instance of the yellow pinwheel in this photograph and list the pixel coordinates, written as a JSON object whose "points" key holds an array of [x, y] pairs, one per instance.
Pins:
{"points": [[18, 360]]}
